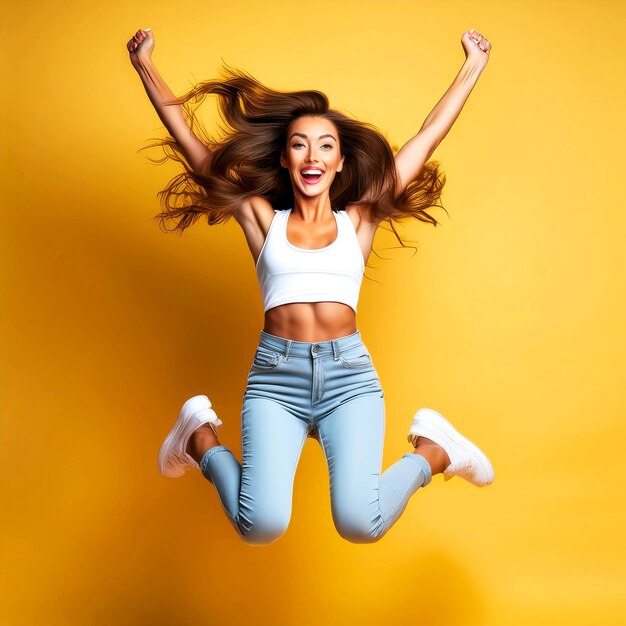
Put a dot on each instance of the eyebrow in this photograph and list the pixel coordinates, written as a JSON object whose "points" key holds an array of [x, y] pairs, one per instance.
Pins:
{"points": [[303, 135]]}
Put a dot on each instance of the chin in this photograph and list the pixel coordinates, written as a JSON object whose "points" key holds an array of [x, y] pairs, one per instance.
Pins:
{"points": [[309, 191]]}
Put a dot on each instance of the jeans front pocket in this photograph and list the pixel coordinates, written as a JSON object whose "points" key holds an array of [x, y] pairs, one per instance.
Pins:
{"points": [[355, 358], [265, 359]]}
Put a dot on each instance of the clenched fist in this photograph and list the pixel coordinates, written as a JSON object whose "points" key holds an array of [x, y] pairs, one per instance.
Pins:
{"points": [[476, 47], [141, 45]]}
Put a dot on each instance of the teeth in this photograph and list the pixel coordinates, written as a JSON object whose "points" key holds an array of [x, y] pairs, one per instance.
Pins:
{"points": [[312, 171]]}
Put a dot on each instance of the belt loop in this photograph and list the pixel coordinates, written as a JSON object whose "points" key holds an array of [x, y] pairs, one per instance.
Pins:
{"points": [[287, 350], [335, 350]]}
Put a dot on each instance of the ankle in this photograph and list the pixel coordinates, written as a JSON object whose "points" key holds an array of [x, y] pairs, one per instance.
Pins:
{"points": [[201, 440], [436, 456]]}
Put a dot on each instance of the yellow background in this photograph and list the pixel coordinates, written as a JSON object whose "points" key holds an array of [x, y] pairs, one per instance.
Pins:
{"points": [[509, 320]]}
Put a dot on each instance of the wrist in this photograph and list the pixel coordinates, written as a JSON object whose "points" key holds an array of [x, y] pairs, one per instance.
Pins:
{"points": [[476, 64], [142, 62]]}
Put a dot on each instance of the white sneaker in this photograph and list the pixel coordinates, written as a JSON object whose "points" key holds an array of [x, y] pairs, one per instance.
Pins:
{"points": [[174, 460], [466, 459]]}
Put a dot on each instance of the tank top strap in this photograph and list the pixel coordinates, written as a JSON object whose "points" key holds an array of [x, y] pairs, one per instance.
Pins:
{"points": [[274, 224], [348, 225]]}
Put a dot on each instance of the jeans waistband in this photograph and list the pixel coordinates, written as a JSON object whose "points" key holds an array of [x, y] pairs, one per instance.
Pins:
{"points": [[290, 347]]}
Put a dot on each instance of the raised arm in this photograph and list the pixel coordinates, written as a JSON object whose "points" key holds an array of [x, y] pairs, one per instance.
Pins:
{"points": [[140, 48], [415, 153]]}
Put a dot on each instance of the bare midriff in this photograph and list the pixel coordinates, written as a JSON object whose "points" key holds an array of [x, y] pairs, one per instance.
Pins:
{"points": [[310, 321]]}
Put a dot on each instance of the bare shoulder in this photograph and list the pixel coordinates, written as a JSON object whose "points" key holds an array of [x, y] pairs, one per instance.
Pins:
{"points": [[361, 220], [255, 215], [253, 209], [364, 227]]}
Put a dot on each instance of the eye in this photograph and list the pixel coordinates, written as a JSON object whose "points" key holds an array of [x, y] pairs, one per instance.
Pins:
{"points": [[299, 143]]}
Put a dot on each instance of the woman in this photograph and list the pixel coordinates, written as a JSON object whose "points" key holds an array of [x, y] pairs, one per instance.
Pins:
{"points": [[309, 187]]}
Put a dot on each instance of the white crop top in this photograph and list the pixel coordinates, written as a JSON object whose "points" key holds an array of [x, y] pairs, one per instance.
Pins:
{"points": [[287, 273]]}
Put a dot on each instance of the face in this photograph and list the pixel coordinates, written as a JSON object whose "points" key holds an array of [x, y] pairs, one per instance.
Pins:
{"points": [[313, 147]]}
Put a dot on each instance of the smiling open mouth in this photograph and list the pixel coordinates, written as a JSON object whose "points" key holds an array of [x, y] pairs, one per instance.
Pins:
{"points": [[312, 175]]}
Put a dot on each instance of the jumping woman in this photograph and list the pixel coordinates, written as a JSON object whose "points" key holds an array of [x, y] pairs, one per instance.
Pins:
{"points": [[309, 186]]}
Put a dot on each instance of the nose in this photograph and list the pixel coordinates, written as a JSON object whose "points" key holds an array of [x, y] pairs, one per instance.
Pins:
{"points": [[311, 155]]}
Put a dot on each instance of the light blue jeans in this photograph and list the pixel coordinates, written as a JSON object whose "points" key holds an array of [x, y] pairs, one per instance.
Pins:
{"points": [[329, 390]]}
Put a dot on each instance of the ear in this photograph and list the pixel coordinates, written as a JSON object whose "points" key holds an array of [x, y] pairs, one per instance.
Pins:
{"points": [[283, 161], [340, 166]]}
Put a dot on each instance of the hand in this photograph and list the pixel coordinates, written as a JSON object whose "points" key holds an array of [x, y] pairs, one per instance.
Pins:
{"points": [[476, 47], [141, 45]]}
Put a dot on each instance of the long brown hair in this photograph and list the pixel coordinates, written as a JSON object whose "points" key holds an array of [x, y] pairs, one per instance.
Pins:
{"points": [[245, 162]]}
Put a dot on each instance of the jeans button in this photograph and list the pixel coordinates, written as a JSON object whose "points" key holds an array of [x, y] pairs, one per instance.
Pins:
{"points": [[316, 348]]}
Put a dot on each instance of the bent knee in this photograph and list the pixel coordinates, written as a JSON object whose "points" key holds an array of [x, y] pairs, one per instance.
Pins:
{"points": [[263, 529], [360, 529]]}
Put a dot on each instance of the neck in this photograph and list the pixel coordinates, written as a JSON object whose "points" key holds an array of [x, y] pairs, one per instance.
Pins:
{"points": [[317, 209]]}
